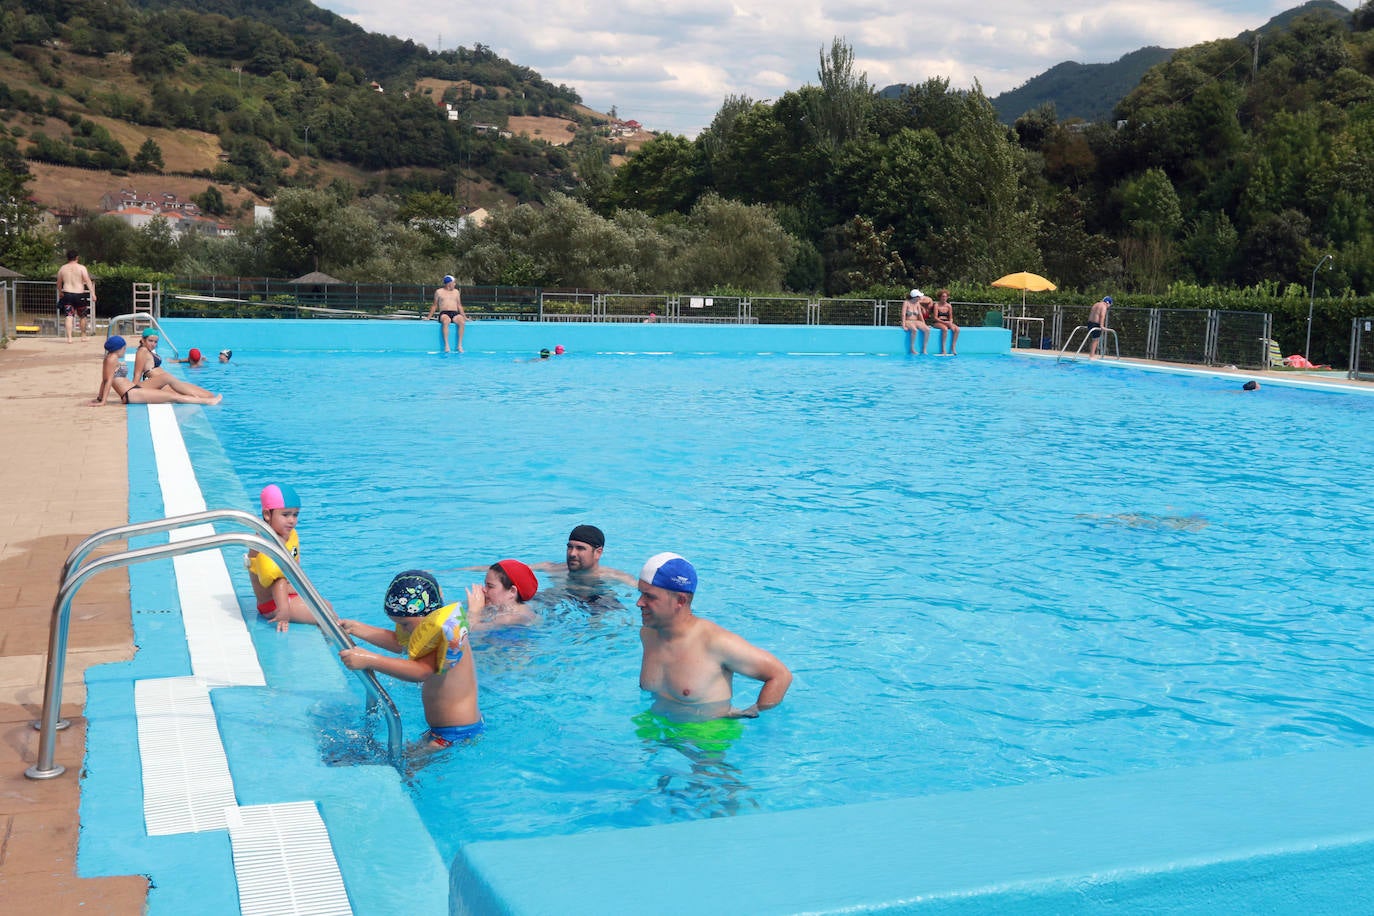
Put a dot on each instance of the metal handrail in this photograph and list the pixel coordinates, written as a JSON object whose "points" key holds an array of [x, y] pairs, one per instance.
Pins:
{"points": [[76, 576], [133, 318], [1116, 344]]}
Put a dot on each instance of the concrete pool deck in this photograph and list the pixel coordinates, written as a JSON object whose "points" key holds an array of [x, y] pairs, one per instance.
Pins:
{"points": [[66, 474]]}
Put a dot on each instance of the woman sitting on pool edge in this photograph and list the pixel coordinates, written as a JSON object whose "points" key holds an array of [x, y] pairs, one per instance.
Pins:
{"points": [[148, 365], [165, 389]]}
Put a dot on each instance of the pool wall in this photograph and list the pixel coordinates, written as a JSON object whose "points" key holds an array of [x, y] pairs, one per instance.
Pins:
{"points": [[529, 337], [1285, 835]]}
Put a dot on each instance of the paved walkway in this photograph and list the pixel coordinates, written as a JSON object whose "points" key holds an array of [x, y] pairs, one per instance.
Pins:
{"points": [[64, 470]]}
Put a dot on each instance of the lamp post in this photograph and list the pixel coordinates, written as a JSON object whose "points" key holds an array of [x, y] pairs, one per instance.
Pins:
{"points": [[1311, 301]]}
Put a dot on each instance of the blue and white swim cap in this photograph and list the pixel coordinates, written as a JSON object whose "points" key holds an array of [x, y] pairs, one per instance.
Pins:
{"points": [[670, 571], [448, 278]]}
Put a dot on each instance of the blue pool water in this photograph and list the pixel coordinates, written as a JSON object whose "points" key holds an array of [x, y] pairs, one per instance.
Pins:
{"points": [[982, 572]]}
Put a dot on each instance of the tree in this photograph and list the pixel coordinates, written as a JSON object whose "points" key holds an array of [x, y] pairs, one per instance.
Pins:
{"points": [[211, 201], [19, 238], [840, 111], [148, 158]]}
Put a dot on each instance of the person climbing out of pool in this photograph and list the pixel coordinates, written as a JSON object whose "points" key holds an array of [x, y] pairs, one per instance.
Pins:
{"points": [[449, 303], [281, 510], [942, 319], [432, 640], [689, 663], [502, 600], [166, 389], [914, 315], [584, 578], [1097, 320]]}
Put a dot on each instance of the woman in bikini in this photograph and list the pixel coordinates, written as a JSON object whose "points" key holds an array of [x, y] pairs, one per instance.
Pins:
{"points": [[914, 320], [163, 389], [944, 321], [148, 368]]}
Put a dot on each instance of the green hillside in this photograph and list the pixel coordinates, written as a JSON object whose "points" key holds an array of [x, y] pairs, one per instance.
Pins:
{"points": [[1088, 92]]}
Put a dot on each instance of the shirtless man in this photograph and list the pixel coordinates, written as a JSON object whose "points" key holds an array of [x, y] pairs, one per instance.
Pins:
{"points": [[449, 303], [586, 580], [914, 320], [1097, 319], [689, 663], [73, 283], [943, 320]]}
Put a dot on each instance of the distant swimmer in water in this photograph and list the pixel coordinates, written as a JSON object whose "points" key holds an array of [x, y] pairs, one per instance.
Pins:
{"points": [[502, 600], [1145, 520]]}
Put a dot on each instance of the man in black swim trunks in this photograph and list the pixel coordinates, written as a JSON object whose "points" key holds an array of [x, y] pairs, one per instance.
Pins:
{"points": [[449, 303], [1097, 320], [73, 298]]}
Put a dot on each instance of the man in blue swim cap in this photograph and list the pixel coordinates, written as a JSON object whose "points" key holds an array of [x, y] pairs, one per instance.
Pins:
{"points": [[688, 662], [1097, 320]]}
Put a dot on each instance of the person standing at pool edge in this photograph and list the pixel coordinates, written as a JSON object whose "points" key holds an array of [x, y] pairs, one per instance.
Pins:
{"points": [[688, 662], [1097, 319], [449, 303], [75, 293]]}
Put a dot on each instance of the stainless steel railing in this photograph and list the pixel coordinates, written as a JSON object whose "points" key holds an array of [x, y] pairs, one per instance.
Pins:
{"points": [[76, 572]]}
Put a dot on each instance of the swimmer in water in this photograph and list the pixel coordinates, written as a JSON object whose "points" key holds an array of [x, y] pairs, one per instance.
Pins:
{"points": [[502, 600], [584, 578], [689, 663]]}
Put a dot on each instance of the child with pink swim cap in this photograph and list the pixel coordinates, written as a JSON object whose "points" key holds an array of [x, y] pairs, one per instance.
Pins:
{"points": [[281, 509]]}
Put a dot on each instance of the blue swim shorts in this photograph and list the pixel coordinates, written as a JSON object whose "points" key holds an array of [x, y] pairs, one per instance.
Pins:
{"points": [[449, 735]]}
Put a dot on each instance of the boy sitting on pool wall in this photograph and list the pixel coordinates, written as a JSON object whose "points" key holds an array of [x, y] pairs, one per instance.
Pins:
{"points": [[281, 509], [432, 638]]}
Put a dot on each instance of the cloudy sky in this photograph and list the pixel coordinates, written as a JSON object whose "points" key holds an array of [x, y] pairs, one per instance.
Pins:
{"points": [[670, 63]]}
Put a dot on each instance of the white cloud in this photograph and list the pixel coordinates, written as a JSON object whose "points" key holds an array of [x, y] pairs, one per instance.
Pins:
{"points": [[670, 63]]}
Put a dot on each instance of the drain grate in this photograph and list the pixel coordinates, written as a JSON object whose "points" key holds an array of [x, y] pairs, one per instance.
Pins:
{"points": [[284, 862], [186, 782]]}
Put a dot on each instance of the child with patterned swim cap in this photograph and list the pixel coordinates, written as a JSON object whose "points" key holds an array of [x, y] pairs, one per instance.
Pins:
{"points": [[500, 601], [281, 509], [431, 639]]}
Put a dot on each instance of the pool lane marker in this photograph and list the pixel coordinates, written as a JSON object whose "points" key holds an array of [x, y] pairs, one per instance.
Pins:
{"points": [[186, 781], [221, 648], [276, 876]]}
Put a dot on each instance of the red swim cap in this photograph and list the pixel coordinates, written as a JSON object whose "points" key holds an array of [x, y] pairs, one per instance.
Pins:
{"points": [[522, 577], [194, 354]]}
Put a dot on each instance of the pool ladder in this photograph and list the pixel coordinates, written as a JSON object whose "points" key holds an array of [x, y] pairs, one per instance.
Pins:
{"points": [[1116, 345], [76, 572]]}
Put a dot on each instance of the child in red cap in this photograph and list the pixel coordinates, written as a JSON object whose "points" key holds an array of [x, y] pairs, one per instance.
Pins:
{"points": [[501, 600]]}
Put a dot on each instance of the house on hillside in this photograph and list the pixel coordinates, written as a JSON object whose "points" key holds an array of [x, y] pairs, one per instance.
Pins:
{"points": [[163, 202], [493, 129]]}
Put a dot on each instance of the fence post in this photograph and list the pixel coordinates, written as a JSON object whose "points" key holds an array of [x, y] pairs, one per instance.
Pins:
{"points": [[1209, 346]]}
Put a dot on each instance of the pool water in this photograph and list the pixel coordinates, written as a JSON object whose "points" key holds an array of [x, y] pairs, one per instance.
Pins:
{"points": [[981, 571]]}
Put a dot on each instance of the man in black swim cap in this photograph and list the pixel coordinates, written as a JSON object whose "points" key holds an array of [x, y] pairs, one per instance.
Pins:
{"points": [[586, 579]]}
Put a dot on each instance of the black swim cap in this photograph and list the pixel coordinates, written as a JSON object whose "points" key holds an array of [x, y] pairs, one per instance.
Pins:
{"points": [[588, 534], [1250, 385]]}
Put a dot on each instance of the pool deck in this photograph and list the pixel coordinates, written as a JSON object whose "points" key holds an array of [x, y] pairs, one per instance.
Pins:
{"points": [[66, 476], [65, 473]]}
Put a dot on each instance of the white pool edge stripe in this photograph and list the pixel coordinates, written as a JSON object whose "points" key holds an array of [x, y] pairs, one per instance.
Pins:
{"points": [[284, 861], [186, 781]]}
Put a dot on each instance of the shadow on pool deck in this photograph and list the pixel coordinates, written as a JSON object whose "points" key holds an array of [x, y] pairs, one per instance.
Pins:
{"points": [[65, 475]]}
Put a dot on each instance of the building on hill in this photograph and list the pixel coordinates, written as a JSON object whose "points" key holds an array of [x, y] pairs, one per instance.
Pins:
{"points": [[163, 202]]}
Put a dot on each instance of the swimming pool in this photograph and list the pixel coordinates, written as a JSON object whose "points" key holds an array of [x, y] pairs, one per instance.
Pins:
{"points": [[982, 572]]}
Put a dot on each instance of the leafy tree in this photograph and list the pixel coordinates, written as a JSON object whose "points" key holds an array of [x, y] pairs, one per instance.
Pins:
{"points": [[21, 247], [839, 111], [211, 201], [148, 158], [666, 176], [737, 246]]}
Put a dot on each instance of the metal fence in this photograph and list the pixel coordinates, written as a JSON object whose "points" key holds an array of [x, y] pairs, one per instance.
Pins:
{"points": [[1198, 336], [1362, 349]]}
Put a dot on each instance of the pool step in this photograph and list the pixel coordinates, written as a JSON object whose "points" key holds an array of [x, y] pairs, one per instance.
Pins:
{"points": [[1284, 835], [186, 782]]}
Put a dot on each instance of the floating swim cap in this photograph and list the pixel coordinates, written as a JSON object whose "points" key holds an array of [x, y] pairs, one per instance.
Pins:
{"points": [[279, 496], [413, 593], [114, 343], [558, 349], [194, 354], [522, 577], [448, 278], [588, 534], [670, 571], [151, 332]]}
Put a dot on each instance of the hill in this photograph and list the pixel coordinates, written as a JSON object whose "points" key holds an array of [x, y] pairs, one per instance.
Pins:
{"points": [[254, 96], [1085, 91]]}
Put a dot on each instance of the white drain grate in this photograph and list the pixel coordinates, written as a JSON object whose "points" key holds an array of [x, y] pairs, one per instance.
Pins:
{"points": [[186, 782], [284, 862]]}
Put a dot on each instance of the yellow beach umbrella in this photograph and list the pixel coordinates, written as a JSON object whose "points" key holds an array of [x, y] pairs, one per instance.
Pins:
{"points": [[1024, 281]]}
